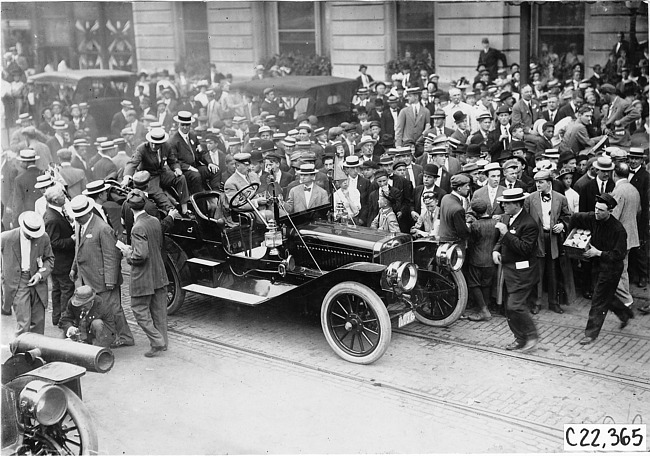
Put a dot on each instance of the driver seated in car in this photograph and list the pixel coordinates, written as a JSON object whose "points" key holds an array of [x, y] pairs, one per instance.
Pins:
{"points": [[88, 319], [306, 195], [241, 178]]}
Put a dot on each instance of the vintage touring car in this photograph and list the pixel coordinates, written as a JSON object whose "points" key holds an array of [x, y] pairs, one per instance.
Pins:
{"points": [[359, 278]]}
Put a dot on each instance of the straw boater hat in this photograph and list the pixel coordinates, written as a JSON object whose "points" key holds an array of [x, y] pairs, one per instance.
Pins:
{"points": [[83, 295], [81, 205], [95, 187], [27, 155], [494, 166], [60, 125], [157, 136], [184, 117], [351, 161], [31, 224], [512, 195], [43, 181], [604, 164], [636, 152], [307, 168]]}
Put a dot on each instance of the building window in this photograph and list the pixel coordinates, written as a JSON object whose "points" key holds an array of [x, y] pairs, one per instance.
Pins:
{"points": [[297, 27], [197, 47], [415, 29], [560, 36]]}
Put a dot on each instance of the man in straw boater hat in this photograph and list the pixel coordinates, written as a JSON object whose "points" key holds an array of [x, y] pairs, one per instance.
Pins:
{"points": [[516, 252], [88, 319], [97, 263], [194, 160], [27, 261], [25, 193], [156, 157], [307, 195], [607, 250]]}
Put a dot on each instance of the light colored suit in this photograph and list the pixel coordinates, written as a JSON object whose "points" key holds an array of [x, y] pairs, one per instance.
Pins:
{"points": [[522, 114], [483, 194], [409, 127], [13, 294], [296, 200], [235, 183], [628, 206]]}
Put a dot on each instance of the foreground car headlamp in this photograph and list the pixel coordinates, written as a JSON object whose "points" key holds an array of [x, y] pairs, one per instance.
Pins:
{"points": [[450, 256], [44, 402], [402, 275]]}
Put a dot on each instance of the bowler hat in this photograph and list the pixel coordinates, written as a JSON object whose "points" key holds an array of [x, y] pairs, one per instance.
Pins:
{"points": [[505, 95], [473, 150], [266, 146], [430, 169], [459, 116], [31, 224]]}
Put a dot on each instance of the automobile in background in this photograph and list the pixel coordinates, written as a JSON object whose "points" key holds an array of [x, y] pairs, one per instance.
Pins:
{"points": [[327, 97], [103, 90]]}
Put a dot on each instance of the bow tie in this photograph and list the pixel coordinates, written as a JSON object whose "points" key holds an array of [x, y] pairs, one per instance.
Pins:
{"points": [[546, 197], [308, 189]]}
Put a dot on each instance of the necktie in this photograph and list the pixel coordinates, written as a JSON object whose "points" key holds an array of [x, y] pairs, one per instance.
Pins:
{"points": [[415, 109], [602, 187]]}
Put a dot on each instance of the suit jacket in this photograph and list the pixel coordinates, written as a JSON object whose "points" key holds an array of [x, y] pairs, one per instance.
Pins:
{"points": [[408, 126], [25, 195], [521, 113], [60, 232], [496, 147], [616, 111], [483, 194], [235, 183], [452, 220], [147, 267], [519, 245], [588, 194], [627, 210], [387, 123], [364, 188], [11, 263], [641, 181], [189, 154], [559, 214], [296, 200], [478, 138], [547, 116], [75, 179], [54, 145], [417, 197], [104, 169], [144, 159], [100, 310], [97, 259], [565, 111], [118, 123], [285, 179]]}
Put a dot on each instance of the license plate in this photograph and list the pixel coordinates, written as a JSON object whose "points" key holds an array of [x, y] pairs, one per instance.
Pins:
{"points": [[408, 317]]}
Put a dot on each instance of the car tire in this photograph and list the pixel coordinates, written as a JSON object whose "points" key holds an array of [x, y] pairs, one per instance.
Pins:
{"points": [[356, 323], [446, 311], [175, 294]]}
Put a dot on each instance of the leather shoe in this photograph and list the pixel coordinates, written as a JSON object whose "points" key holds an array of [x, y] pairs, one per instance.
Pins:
{"points": [[4, 312], [587, 294], [479, 317], [516, 345], [535, 310], [642, 282], [645, 309], [587, 340], [155, 351], [529, 346], [556, 309]]}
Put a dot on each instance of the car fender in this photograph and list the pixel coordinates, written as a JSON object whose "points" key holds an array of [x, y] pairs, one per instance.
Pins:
{"points": [[369, 274]]}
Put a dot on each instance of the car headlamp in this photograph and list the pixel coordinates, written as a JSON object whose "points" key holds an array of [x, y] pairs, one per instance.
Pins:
{"points": [[450, 256], [44, 402], [402, 275]]}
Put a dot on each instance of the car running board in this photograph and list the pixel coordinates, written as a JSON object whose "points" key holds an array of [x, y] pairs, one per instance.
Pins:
{"points": [[204, 262], [227, 294]]}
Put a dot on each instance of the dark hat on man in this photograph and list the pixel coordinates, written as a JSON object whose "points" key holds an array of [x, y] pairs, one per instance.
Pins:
{"points": [[518, 145], [430, 169], [564, 171], [478, 205], [266, 145], [503, 109], [607, 88], [607, 199], [505, 95], [473, 150], [459, 116], [82, 296]]}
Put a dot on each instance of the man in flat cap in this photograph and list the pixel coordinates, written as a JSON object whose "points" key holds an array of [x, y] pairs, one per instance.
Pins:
{"points": [[608, 247], [453, 227], [88, 319]]}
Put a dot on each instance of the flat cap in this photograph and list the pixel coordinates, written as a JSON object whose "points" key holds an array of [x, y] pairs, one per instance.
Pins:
{"points": [[458, 180]]}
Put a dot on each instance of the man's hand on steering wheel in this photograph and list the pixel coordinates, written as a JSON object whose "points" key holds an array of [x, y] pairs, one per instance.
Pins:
{"points": [[243, 196]]}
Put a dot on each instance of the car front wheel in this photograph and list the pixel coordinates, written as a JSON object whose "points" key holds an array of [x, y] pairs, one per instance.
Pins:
{"points": [[175, 294], [356, 323]]}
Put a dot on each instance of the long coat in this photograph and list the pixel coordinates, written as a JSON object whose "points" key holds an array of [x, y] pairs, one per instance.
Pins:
{"points": [[147, 267], [97, 260], [11, 262], [519, 245], [627, 209]]}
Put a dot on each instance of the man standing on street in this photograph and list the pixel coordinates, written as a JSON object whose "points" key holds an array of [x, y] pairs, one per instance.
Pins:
{"points": [[516, 251], [97, 263], [60, 231], [453, 227], [148, 277], [607, 253], [27, 261]]}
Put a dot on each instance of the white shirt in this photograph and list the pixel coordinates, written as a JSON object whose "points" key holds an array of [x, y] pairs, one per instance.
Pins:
{"points": [[85, 225], [492, 193], [573, 200], [602, 185], [25, 252], [546, 212], [353, 191], [409, 170], [308, 193]]}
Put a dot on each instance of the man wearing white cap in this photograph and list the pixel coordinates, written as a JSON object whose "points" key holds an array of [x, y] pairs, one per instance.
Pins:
{"points": [[120, 118], [27, 261], [97, 262]]}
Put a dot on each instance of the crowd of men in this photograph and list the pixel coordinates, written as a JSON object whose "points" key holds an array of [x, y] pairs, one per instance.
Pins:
{"points": [[505, 169]]}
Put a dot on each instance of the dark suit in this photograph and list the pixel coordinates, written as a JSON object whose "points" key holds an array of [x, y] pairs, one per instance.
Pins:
{"points": [[149, 279], [118, 123], [28, 303], [565, 111], [104, 168], [493, 208], [417, 197], [54, 145], [490, 59], [60, 232], [588, 194], [193, 155], [25, 195], [97, 326], [387, 123], [84, 166], [97, 264], [496, 147], [364, 188], [547, 116], [452, 221], [373, 203], [518, 248], [638, 260]]}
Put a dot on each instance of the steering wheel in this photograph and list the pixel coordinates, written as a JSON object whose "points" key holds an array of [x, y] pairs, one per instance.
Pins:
{"points": [[242, 197]]}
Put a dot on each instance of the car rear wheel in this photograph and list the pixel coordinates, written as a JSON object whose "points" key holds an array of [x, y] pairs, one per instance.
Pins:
{"points": [[442, 299], [175, 294], [356, 323]]}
